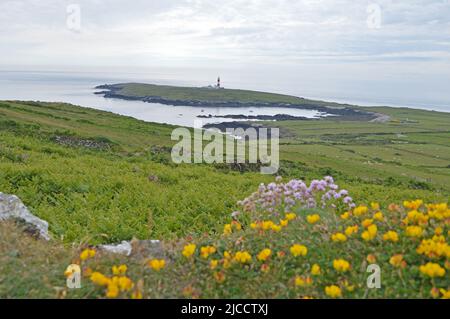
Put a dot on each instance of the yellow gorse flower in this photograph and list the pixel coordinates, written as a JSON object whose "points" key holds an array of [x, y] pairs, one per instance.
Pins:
{"points": [[433, 248], [291, 216], [370, 233], [303, 282], [189, 250], [312, 219], [350, 230], [157, 264], [432, 270], [242, 257], [227, 229], [298, 250], [413, 204], [391, 236], [378, 216], [205, 251], [264, 254], [99, 279], [119, 270], [87, 253], [341, 265], [213, 264], [367, 222], [397, 261], [338, 237], [345, 216], [414, 231], [360, 210], [315, 270], [333, 291]]}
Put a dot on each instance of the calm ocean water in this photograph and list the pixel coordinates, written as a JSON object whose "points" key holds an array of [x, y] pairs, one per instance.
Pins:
{"points": [[78, 88]]}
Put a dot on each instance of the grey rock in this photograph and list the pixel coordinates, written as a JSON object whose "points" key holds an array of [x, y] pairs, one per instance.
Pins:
{"points": [[143, 248], [12, 208]]}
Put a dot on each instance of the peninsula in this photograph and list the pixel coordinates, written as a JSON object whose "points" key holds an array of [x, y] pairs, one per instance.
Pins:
{"points": [[207, 96]]}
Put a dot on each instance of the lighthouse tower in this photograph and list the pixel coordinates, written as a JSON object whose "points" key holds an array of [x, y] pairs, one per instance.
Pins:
{"points": [[218, 82]]}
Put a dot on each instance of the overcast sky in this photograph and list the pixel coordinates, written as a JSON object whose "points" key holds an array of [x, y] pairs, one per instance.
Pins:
{"points": [[187, 32]]}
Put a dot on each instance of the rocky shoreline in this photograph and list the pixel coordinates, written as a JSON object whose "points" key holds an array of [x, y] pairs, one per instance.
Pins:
{"points": [[343, 113]]}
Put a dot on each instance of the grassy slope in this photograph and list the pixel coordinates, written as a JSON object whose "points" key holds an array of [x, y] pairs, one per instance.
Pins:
{"points": [[205, 94], [105, 195]]}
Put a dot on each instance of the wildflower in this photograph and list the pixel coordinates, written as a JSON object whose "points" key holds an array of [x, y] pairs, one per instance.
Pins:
{"points": [[291, 216], [445, 293], [315, 270], [303, 282], [378, 216], [333, 291], [99, 279], [86, 254], [375, 206], [157, 264], [438, 211], [370, 233], [281, 254], [414, 231], [345, 215], [253, 225], [338, 237], [206, 251], [213, 264], [438, 231], [414, 205], [236, 225], [298, 250], [341, 265], [219, 277], [119, 270], [433, 248], [275, 228], [371, 258], [416, 217], [360, 210], [189, 250], [266, 225], [112, 291], [434, 292], [397, 261], [432, 270], [242, 257], [124, 283], [348, 286], [350, 230], [265, 268], [391, 236], [312, 219], [394, 208], [227, 229], [367, 222], [284, 222], [264, 254]]}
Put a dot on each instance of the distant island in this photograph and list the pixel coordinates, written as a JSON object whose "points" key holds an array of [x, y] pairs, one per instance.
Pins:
{"points": [[208, 96]]}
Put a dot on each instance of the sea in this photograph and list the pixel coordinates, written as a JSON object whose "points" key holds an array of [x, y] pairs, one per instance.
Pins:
{"points": [[78, 87]]}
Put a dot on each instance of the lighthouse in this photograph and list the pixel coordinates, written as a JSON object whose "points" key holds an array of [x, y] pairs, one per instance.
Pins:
{"points": [[218, 82]]}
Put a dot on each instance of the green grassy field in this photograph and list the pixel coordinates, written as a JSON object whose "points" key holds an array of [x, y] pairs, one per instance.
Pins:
{"points": [[106, 192], [97, 178]]}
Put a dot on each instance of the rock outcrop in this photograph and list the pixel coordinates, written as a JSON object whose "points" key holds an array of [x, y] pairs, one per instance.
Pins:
{"points": [[12, 208]]}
